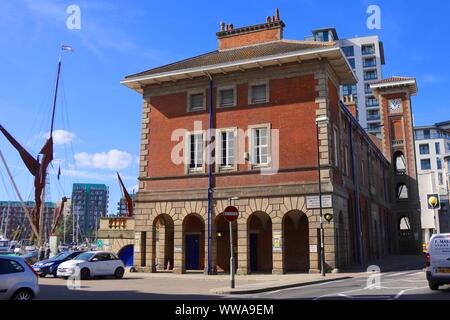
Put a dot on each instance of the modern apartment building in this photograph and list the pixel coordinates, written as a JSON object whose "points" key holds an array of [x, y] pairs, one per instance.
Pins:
{"points": [[366, 56], [89, 204], [122, 206], [263, 98], [432, 145], [14, 223]]}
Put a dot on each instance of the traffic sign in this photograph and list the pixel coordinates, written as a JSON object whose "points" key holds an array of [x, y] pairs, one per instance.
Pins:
{"points": [[231, 213], [433, 201]]}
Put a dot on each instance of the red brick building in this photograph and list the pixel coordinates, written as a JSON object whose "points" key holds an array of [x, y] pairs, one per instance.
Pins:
{"points": [[262, 95]]}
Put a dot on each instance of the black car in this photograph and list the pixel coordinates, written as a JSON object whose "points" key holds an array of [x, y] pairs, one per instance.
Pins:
{"points": [[50, 266]]}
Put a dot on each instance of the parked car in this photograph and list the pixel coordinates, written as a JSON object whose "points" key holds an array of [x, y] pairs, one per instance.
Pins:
{"points": [[91, 264], [438, 261], [50, 266], [18, 280]]}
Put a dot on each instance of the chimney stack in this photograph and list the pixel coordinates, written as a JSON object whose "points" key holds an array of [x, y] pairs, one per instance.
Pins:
{"points": [[351, 105], [271, 30]]}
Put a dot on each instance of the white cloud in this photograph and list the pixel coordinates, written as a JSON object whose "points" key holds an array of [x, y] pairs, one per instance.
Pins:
{"points": [[61, 137], [113, 160]]}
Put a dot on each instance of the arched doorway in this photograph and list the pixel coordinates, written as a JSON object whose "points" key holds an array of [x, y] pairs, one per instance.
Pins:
{"points": [[223, 243], [296, 242], [126, 254], [194, 242], [260, 242], [163, 241]]}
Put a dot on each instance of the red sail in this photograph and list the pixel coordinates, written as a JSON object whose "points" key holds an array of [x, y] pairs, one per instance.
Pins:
{"points": [[127, 197], [30, 162], [59, 213]]}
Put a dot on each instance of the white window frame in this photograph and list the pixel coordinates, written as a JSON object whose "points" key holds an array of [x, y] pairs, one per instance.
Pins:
{"points": [[222, 88], [219, 166], [252, 128], [250, 90], [192, 92], [188, 169]]}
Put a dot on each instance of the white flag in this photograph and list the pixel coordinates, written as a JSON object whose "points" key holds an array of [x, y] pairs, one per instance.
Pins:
{"points": [[66, 48]]}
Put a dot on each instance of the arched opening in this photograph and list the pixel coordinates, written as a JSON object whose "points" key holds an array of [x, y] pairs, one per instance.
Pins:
{"points": [[194, 242], [402, 192], [126, 254], [260, 242], [223, 243], [404, 224], [163, 241], [296, 242], [399, 163]]}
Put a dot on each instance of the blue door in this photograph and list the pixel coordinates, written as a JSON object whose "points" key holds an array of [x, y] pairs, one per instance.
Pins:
{"points": [[192, 252], [126, 254], [253, 252]]}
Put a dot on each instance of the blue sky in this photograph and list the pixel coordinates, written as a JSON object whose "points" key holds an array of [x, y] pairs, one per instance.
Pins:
{"points": [[101, 118]]}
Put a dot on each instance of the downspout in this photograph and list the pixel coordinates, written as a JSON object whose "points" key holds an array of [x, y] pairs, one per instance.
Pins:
{"points": [[356, 201], [210, 186]]}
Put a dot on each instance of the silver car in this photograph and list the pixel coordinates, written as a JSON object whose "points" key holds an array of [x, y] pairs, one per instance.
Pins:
{"points": [[18, 281]]}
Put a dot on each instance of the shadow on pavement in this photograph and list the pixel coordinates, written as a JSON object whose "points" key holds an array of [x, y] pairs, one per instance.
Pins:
{"points": [[61, 292]]}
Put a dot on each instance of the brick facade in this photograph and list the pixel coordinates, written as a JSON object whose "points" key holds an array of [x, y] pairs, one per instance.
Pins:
{"points": [[276, 231]]}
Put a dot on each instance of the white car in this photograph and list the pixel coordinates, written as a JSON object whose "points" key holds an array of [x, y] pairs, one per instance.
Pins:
{"points": [[438, 261], [18, 281], [91, 264]]}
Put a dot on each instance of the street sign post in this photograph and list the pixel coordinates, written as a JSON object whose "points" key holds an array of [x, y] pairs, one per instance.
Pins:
{"points": [[231, 214]]}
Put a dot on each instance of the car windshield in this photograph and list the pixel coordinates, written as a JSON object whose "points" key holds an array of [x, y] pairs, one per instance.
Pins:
{"points": [[85, 256], [61, 256]]}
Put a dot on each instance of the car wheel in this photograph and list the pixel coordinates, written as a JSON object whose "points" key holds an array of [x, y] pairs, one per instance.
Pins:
{"points": [[22, 295], [119, 273], [85, 274], [433, 286], [42, 275], [55, 274]]}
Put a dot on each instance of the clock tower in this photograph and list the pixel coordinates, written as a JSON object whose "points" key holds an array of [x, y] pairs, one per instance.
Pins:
{"points": [[394, 95]]}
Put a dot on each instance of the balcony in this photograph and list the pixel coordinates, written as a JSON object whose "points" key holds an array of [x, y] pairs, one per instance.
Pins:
{"points": [[116, 227], [431, 136], [374, 117], [398, 143]]}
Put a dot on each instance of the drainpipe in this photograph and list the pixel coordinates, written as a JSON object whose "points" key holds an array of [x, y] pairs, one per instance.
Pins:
{"points": [[356, 200], [210, 187]]}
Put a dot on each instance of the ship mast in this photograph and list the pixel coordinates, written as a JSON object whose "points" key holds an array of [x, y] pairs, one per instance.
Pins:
{"points": [[55, 98]]}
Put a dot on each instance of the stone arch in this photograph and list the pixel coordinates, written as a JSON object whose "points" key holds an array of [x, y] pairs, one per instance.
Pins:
{"points": [[295, 226], [222, 233], [259, 226], [163, 242], [194, 241]]}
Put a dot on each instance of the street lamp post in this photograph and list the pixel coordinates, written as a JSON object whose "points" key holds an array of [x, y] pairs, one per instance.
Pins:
{"points": [[319, 120], [232, 271]]}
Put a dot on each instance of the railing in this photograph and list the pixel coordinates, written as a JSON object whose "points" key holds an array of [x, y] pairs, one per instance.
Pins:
{"points": [[373, 118], [397, 143], [116, 223], [431, 136]]}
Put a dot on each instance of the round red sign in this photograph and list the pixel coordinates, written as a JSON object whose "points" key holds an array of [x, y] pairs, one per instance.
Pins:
{"points": [[231, 213]]}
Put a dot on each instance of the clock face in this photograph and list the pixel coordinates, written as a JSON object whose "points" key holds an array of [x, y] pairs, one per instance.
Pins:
{"points": [[395, 104]]}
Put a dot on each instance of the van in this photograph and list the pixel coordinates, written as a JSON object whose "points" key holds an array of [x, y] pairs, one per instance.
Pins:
{"points": [[438, 261]]}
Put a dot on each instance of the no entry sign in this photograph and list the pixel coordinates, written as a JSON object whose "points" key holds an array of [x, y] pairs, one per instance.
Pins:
{"points": [[231, 213]]}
